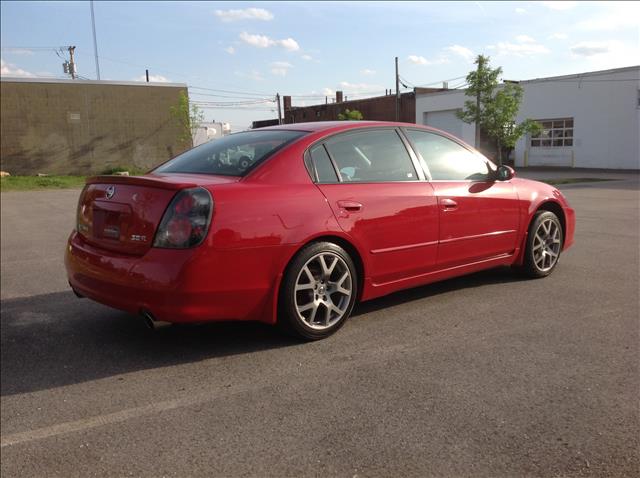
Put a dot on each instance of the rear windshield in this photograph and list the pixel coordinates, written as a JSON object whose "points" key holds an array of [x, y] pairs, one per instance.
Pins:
{"points": [[233, 155]]}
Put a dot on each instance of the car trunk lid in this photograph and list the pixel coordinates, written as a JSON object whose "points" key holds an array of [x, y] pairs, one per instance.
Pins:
{"points": [[121, 214]]}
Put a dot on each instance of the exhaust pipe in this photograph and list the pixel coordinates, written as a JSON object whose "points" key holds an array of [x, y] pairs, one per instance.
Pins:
{"points": [[151, 322]]}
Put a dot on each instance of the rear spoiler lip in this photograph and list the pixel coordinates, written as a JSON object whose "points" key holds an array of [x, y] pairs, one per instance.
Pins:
{"points": [[154, 182]]}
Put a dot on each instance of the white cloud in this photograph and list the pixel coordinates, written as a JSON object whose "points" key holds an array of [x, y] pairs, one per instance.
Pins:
{"points": [[616, 16], [9, 69], [418, 60], [559, 5], [288, 44], [263, 41], [589, 48], [368, 72], [245, 14], [462, 51], [421, 60], [230, 50], [358, 88], [307, 57], [521, 11], [328, 92], [259, 41], [607, 54], [254, 75], [280, 68], [524, 39], [524, 46], [558, 36], [152, 78], [19, 51]]}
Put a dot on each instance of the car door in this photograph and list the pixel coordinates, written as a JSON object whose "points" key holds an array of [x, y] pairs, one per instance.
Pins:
{"points": [[370, 179], [479, 216]]}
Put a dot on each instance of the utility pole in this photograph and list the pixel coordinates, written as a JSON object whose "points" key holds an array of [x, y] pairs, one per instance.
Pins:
{"points": [[72, 64], [477, 145], [147, 73], [95, 42], [279, 110], [397, 92]]}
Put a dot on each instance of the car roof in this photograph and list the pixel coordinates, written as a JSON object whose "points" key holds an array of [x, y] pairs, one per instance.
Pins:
{"points": [[318, 126]]}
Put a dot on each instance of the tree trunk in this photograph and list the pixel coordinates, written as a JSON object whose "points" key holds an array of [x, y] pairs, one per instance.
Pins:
{"points": [[499, 152]]}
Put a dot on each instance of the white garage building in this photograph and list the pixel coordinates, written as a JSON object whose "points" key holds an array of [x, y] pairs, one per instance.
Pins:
{"points": [[589, 120]]}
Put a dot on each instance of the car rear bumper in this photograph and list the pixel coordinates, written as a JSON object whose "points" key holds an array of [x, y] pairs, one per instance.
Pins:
{"points": [[173, 285]]}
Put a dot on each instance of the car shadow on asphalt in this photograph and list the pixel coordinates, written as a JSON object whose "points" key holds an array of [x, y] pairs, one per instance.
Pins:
{"points": [[54, 340]]}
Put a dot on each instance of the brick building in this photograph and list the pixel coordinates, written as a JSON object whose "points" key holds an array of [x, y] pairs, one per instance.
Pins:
{"points": [[379, 108], [85, 127]]}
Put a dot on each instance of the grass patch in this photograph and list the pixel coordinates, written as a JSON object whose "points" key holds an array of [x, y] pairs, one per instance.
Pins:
{"points": [[133, 171], [558, 181], [29, 183]]}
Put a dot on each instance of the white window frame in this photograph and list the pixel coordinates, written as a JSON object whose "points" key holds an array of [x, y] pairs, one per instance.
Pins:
{"points": [[556, 133]]}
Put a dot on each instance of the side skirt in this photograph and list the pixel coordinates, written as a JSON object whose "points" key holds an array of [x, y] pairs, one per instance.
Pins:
{"points": [[371, 290]]}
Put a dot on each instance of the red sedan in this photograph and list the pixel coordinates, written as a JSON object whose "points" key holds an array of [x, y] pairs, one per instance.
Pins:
{"points": [[295, 224]]}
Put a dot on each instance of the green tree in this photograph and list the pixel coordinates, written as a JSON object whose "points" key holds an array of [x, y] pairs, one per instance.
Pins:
{"points": [[350, 115], [188, 116], [494, 107]]}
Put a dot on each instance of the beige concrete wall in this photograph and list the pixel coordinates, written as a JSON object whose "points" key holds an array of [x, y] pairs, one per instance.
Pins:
{"points": [[76, 127]]}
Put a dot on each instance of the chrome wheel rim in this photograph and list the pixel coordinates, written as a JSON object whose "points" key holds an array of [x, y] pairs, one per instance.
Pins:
{"points": [[323, 290], [546, 245]]}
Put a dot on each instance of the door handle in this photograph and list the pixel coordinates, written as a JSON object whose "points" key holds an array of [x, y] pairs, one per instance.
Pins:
{"points": [[350, 206], [449, 204]]}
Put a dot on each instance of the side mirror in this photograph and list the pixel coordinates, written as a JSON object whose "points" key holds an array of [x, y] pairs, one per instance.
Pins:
{"points": [[505, 173]]}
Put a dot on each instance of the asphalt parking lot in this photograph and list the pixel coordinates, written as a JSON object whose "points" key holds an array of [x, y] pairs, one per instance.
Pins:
{"points": [[486, 375]]}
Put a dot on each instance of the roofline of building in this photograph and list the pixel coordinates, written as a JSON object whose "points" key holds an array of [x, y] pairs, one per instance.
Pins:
{"points": [[574, 76], [443, 92], [371, 98], [582, 75], [9, 79]]}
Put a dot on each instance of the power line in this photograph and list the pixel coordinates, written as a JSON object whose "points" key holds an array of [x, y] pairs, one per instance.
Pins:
{"points": [[231, 91], [34, 48], [95, 41], [440, 82], [195, 93]]}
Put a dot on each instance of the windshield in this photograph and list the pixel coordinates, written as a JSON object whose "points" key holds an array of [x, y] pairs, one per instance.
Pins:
{"points": [[232, 155]]}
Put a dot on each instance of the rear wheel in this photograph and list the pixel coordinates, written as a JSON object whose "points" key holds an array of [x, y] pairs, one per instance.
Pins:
{"points": [[544, 244], [318, 291]]}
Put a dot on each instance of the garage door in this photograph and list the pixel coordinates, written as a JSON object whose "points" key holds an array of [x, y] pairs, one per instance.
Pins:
{"points": [[445, 120]]}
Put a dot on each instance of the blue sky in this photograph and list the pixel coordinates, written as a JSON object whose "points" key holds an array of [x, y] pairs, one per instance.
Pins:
{"points": [[312, 49]]}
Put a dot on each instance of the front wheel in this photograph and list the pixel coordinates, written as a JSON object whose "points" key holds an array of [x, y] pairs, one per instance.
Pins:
{"points": [[544, 244], [318, 291]]}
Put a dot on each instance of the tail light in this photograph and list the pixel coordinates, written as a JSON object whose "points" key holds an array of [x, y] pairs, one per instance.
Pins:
{"points": [[81, 219], [186, 221]]}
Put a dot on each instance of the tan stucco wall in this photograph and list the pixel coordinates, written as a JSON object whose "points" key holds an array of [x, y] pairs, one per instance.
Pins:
{"points": [[85, 128]]}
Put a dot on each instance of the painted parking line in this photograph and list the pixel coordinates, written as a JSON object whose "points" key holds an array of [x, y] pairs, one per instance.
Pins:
{"points": [[107, 419]]}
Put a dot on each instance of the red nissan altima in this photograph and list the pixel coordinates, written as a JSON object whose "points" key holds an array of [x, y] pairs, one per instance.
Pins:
{"points": [[292, 225]]}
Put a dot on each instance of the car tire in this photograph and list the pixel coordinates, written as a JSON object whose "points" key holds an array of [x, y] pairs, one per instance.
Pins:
{"points": [[244, 162], [318, 291], [544, 245]]}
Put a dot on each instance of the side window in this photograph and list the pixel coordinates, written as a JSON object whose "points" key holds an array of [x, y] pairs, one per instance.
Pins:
{"points": [[371, 156], [446, 159], [322, 164]]}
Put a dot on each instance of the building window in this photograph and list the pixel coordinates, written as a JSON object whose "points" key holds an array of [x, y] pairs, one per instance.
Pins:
{"points": [[555, 133]]}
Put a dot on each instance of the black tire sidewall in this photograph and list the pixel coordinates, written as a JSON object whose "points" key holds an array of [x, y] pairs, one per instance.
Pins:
{"points": [[288, 318]]}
